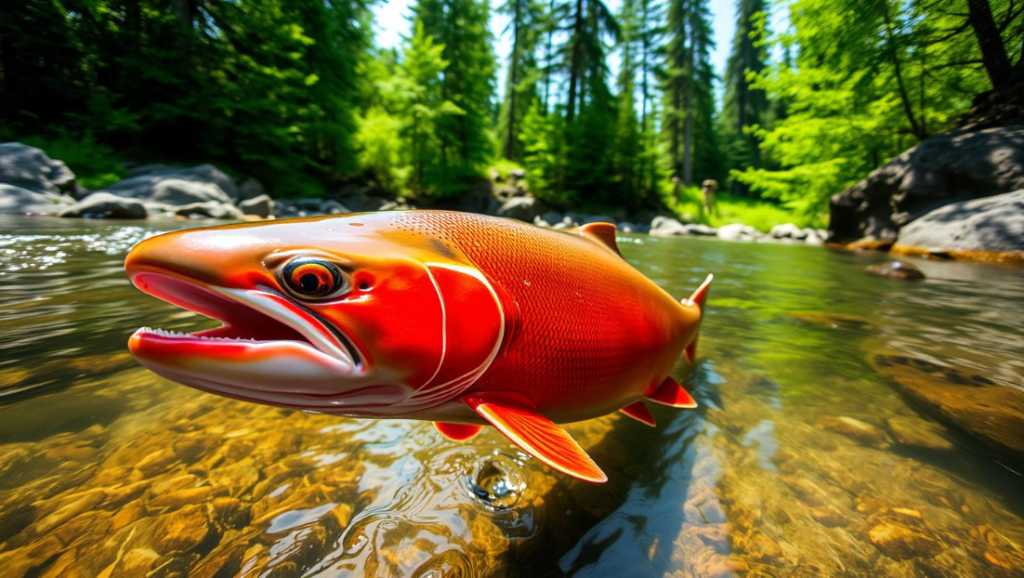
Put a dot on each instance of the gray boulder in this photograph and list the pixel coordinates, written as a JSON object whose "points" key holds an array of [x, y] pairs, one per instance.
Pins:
{"points": [[813, 236], [522, 208], [662, 226], [249, 189], [284, 209], [176, 186], [209, 209], [29, 168], [946, 168], [700, 230], [136, 170], [19, 201], [107, 206], [260, 206], [332, 207], [993, 224], [738, 232], [788, 231]]}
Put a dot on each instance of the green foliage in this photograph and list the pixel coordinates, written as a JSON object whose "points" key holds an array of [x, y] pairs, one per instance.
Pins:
{"points": [[463, 129], [869, 81], [745, 106], [689, 101], [545, 156], [503, 168], [521, 89], [729, 209], [293, 92], [265, 86]]}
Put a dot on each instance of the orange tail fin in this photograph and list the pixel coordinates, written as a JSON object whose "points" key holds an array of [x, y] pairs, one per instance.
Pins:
{"points": [[698, 298]]}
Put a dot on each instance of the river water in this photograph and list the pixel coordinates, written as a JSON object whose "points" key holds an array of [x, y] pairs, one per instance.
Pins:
{"points": [[849, 425]]}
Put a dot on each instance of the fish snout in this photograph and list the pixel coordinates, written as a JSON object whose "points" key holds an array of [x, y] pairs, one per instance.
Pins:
{"points": [[209, 256]]}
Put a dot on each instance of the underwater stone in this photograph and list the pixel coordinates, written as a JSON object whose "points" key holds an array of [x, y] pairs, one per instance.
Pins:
{"points": [[179, 498], [918, 433], [896, 270], [900, 543], [855, 429], [136, 562], [969, 401], [183, 530], [229, 512]]}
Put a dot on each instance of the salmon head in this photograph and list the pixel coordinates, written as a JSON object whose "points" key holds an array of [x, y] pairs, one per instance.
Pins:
{"points": [[345, 315]]}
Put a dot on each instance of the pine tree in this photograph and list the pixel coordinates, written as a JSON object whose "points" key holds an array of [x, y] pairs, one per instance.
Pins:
{"points": [[689, 102], [650, 30], [628, 170], [467, 142], [521, 87], [745, 106]]}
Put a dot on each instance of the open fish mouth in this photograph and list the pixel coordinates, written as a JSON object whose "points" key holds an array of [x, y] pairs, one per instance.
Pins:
{"points": [[258, 326]]}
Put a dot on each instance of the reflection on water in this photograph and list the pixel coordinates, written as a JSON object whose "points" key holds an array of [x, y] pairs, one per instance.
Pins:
{"points": [[849, 426]]}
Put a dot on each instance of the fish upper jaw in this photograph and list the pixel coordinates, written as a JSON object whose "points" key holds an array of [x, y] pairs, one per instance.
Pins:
{"points": [[268, 346]]}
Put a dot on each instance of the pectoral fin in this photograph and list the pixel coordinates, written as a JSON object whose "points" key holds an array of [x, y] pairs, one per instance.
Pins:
{"points": [[457, 432], [672, 394], [639, 412], [538, 436]]}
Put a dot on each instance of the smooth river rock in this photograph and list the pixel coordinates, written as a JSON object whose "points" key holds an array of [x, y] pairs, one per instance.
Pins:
{"points": [[992, 225], [896, 270], [521, 208], [258, 206], [991, 412], [144, 181], [30, 168], [18, 201], [108, 206]]}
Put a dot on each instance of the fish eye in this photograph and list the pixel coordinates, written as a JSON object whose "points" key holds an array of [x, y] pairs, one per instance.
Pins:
{"points": [[312, 278]]}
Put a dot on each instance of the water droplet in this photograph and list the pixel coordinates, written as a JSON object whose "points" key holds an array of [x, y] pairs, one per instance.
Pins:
{"points": [[497, 482]]}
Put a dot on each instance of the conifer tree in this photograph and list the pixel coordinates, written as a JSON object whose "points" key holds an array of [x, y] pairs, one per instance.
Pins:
{"points": [[745, 105], [467, 141]]}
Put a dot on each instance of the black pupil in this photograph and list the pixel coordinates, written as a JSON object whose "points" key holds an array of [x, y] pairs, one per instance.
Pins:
{"points": [[309, 282]]}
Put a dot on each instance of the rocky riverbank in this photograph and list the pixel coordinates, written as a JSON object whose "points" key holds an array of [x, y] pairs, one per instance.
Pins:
{"points": [[32, 183], [956, 195]]}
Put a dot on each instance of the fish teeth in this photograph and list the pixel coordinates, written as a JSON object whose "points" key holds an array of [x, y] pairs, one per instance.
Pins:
{"points": [[177, 334]]}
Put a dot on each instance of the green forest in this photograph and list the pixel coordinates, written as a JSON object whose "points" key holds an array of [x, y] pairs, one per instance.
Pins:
{"points": [[298, 94]]}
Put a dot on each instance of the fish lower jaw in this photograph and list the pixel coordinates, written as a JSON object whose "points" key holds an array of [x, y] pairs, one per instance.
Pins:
{"points": [[179, 335]]}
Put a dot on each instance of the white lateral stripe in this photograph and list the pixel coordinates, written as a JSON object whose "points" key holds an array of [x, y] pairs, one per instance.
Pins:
{"points": [[437, 392], [444, 327]]}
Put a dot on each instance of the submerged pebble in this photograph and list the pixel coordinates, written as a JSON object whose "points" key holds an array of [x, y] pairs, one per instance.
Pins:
{"points": [[896, 270]]}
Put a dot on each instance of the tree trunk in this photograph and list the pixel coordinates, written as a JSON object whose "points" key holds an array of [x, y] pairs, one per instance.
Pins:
{"points": [[908, 109], [687, 106], [993, 53], [547, 59], [574, 69], [513, 80], [185, 9]]}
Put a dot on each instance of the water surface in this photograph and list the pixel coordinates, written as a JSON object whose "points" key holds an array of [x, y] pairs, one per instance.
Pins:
{"points": [[819, 448]]}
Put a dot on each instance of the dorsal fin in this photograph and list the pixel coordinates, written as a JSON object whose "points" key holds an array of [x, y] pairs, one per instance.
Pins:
{"points": [[603, 233], [536, 435]]}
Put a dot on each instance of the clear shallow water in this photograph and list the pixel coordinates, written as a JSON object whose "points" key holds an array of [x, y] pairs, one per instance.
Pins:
{"points": [[849, 426]]}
